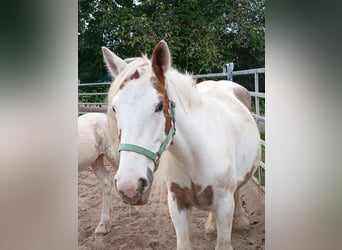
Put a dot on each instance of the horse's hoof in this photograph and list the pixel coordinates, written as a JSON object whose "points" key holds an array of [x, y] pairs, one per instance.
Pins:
{"points": [[102, 228]]}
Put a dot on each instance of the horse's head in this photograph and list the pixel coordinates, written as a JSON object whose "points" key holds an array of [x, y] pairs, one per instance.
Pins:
{"points": [[145, 119]]}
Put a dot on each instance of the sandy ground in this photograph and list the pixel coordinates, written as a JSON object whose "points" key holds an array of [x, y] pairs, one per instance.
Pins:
{"points": [[150, 227]]}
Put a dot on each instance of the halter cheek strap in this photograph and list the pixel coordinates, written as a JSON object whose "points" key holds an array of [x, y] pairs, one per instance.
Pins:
{"points": [[155, 156]]}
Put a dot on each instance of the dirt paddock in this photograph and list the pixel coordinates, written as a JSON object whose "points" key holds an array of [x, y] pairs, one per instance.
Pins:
{"points": [[150, 227]]}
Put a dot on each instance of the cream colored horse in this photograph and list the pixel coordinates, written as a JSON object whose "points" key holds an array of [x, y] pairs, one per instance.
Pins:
{"points": [[93, 146], [210, 136]]}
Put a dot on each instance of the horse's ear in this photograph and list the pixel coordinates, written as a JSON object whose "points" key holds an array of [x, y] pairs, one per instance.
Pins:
{"points": [[161, 60], [114, 63]]}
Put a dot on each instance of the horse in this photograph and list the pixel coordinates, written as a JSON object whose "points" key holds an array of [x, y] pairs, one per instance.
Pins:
{"points": [[94, 145], [210, 139]]}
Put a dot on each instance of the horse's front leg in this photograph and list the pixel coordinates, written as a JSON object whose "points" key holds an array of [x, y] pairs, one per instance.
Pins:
{"points": [[181, 220], [106, 186], [224, 207]]}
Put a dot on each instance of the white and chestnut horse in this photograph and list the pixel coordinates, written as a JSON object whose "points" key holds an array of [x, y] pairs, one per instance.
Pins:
{"points": [[94, 145], [210, 136]]}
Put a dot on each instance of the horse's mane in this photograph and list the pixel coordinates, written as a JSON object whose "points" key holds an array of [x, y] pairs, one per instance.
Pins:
{"points": [[184, 87]]}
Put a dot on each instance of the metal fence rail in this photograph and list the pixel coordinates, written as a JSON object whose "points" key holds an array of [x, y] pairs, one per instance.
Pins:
{"points": [[228, 73]]}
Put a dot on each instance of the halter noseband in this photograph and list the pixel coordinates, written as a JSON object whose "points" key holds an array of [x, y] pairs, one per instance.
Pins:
{"points": [[155, 157]]}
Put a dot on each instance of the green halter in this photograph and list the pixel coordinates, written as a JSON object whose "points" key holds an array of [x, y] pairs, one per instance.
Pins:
{"points": [[155, 157]]}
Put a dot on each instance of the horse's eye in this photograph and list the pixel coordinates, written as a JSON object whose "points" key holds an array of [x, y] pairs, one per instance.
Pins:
{"points": [[114, 109], [159, 107]]}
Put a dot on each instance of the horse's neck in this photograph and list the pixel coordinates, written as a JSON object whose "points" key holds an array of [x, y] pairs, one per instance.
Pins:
{"points": [[186, 148]]}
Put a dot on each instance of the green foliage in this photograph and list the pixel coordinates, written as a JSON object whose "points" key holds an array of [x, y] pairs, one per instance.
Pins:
{"points": [[202, 35], [261, 105]]}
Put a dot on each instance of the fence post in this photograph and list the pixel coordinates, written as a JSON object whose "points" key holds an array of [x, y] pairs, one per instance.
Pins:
{"points": [[228, 68], [256, 90]]}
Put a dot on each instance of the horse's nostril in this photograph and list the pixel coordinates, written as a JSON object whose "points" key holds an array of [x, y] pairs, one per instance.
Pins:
{"points": [[142, 183]]}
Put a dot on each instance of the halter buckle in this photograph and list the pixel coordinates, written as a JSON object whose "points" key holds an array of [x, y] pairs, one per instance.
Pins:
{"points": [[156, 161]]}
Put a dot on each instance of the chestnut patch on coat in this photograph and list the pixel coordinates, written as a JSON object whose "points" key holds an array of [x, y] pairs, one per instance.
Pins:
{"points": [[165, 100], [134, 76], [193, 196], [243, 96]]}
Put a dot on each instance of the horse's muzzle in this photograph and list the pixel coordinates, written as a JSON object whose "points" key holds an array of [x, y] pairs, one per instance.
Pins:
{"points": [[142, 192], [140, 198]]}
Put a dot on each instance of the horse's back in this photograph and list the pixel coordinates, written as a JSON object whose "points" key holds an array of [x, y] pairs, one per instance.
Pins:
{"points": [[227, 87], [91, 133], [234, 101]]}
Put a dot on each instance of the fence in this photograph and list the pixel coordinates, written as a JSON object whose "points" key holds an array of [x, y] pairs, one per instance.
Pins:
{"points": [[88, 94]]}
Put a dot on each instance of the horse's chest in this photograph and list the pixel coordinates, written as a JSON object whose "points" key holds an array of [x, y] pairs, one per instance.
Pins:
{"points": [[193, 196]]}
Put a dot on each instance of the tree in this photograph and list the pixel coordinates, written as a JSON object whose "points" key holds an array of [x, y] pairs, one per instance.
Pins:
{"points": [[202, 35]]}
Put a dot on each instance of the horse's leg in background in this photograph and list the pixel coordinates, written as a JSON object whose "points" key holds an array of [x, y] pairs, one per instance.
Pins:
{"points": [[241, 221], [106, 186], [181, 222], [210, 226], [224, 210]]}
